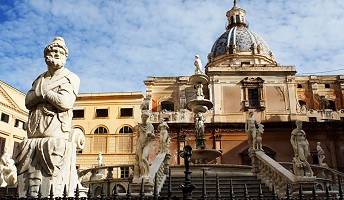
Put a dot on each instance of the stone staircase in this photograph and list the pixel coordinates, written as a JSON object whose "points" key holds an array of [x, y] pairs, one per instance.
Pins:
{"points": [[239, 180]]}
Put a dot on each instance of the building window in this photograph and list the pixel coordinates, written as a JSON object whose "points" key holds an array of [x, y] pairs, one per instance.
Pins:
{"points": [[237, 18], [312, 119], [2, 145], [167, 105], [20, 124], [102, 112], [118, 188], [245, 63], [327, 85], [126, 129], [299, 85], [101, 130], [78, 113], [332, 105], [126, 112], [124, 172], [302, 102], [5, 117], [253, 97], [253, 93], [315, 159]]}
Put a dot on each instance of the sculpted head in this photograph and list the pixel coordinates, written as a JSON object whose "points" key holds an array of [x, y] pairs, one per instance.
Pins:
{"points": [[250, 114], [298, 124], [144, 116], [56, 53]]}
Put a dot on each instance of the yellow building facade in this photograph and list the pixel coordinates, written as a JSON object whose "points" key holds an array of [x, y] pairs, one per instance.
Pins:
{"points": [[108, 121], [13, 115]]}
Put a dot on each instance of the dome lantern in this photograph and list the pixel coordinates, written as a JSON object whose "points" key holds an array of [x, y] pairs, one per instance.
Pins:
{"points": [[238, 45], [236, 16]]}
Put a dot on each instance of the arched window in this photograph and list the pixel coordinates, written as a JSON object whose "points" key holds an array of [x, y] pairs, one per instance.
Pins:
{"points": [[100, 130], [302, 102], [332, 105], [126, 129], [120, 188], [167, 105]]}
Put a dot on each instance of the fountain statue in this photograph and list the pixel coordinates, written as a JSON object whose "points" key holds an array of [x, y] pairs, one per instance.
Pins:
{"points": [[164, 141], [145, 135], [47, 158], [199, 106], [254, 134], [8, 171], [300, 145], [321, 155]]}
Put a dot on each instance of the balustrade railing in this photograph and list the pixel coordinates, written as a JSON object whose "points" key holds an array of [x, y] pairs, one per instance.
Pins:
{"points": [[105, 172], [279, 175], [159, 169], [325, 176], [272, 173]]}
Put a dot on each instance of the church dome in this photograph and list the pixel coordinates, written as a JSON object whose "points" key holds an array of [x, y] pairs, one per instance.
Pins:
{"points": [[239, 40], [242, 39]]}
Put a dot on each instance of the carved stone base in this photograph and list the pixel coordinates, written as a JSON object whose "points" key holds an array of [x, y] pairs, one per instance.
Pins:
{"points": [[307, 185]]}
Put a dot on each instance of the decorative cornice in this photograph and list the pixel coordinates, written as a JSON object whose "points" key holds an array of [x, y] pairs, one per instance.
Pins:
{"points": [[12, 105]]}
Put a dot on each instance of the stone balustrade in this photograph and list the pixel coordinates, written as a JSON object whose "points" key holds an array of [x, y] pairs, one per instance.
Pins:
{"points": [[271, 172], [171, 116], [104, 172], [325, 176], [280, 175], [160, 168]]}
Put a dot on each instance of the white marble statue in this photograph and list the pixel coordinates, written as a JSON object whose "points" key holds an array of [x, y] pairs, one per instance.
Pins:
{"points": [[199, 125], [164, 140], [258, 141], [145, 134], [5, 156], [8, 171], [100, 159], [48, 156], [300, 146], [198, 64], [321, 155], [251, 130]]}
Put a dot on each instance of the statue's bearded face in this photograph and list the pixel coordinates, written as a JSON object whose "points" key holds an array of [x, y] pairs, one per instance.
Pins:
{"points": [[56, 57], [144, 118]]}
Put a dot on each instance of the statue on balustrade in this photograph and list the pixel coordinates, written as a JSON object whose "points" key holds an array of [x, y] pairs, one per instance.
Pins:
{"points": [[8, 171], [145, 134], [164, 141], [300, 145], [254, 134], [257, 141], [251, 129], [100, 159], [48, 156], [321, 155]]}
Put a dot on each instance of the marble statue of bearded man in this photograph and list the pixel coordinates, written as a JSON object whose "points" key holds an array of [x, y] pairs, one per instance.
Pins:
{"points": [[47, 157]]}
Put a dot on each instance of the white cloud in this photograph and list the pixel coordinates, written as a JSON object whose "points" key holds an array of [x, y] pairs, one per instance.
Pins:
{"points": [[115, 45]]}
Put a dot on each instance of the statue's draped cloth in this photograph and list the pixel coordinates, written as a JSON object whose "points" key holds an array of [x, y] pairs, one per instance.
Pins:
{"points": [[48, 156]]}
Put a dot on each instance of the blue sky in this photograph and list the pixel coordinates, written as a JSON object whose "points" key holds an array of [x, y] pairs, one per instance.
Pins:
{"points": [[115, 45]]}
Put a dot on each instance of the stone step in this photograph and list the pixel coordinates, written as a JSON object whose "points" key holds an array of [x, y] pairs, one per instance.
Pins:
{"points": [[238, 184]]}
